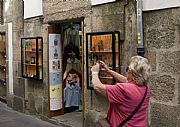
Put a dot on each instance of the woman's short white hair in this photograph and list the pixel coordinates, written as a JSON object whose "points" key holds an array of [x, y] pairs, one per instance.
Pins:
{"points": [[140, 69]]}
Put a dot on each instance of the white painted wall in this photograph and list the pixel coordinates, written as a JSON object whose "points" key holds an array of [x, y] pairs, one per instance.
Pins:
{"points": [[10, 58], [32, 8], [159, 4], [96, 2]]}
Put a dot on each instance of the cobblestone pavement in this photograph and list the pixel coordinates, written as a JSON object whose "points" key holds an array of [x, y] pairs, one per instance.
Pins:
{"points": [[11, 118]]}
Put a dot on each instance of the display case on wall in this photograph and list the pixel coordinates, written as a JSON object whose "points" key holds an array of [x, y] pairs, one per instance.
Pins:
{"points": [[31, 57], [102, 46], [2, 60]]}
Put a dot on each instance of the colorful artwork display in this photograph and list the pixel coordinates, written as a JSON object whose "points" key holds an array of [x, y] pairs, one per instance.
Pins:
{"points": [[55, 72]]}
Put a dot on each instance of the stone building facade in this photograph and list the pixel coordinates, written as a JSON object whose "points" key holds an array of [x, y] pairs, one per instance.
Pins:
{"points": [[162, 48], [162, 40]]}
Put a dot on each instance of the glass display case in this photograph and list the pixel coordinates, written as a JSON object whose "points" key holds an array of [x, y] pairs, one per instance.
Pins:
{"points": [[3, 68], [102, 46], [2, 61], [31, 57]]}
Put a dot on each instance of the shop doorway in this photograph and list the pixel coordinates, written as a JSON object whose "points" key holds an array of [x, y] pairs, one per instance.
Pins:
{"points": [[2, 67], [66, 71]]}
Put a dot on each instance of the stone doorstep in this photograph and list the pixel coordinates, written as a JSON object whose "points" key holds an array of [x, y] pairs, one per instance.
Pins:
{"points": [[73, 119], [56, 122]]}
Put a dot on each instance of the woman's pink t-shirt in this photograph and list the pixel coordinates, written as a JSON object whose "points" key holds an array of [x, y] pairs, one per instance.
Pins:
{"points": [[124, 98]]}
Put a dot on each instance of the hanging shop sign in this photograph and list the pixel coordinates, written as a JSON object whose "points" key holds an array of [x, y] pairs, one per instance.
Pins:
{"points": [[55, 72], [96, 2]]}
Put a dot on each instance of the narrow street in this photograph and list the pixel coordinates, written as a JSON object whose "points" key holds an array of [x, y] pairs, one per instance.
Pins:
{"points": [[11, 118]]}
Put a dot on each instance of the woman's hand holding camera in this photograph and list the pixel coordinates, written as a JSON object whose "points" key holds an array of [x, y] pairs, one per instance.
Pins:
{"points": [[103, 65], [95, 69]]}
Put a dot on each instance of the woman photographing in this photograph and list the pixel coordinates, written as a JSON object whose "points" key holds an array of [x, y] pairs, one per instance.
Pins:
{"points": [[129, 97]]}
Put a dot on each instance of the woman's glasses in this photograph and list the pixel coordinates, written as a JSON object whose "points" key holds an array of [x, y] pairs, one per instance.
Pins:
{"points": [[127, 69]]}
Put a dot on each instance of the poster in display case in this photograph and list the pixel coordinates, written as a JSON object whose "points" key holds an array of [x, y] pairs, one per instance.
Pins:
{"points": [[102, 46], [55, 72], [31, 57]]}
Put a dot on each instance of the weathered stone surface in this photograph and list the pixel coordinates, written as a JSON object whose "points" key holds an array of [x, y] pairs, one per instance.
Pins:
{"points": [[45, 107], [178, 112], [129, 45], [16, 43], [169, 62], [30, 86], [19, 88], [38, 105], [33, 27], [151, 56], [99, 103], [2, 90], [178, 122], [3, 28], [72, 14], [163, 115], [179, 92], [88, 98], [163, 38], [92, 116], [51, 7], [31, 104], [108, 23], [108, 9], [38, 88], [63, 10], [9, 100], [160, 28], [162, 88], [17, 55], [18, 104]]}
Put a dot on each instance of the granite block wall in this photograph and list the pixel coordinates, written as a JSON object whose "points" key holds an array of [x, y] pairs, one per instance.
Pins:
{"points": [[162, 38]]}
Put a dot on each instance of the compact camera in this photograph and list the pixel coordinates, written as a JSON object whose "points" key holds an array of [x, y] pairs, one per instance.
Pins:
{"points": [[100, 65]]}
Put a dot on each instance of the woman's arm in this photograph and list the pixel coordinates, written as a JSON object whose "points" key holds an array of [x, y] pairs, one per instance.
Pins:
{"points": [[120, 78], [117, 76], [97, 85]]}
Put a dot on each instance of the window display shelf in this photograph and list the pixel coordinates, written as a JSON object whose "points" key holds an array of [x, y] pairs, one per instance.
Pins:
{"points": [[32, 64], [100, 51], [31, 51], [102, 46], [32, 54]]}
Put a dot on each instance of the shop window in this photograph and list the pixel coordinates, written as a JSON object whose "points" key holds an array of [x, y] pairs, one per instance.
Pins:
{"points": [[102, 46], [31, 56], [1, 12]]}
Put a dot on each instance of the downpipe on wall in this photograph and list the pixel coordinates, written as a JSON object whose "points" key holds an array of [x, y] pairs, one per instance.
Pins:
{"points": [[140, 40]]}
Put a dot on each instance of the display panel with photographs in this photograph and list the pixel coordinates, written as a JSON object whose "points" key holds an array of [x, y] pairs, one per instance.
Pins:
{"points": [[31, 56], [102, 46], [55, 72]]}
